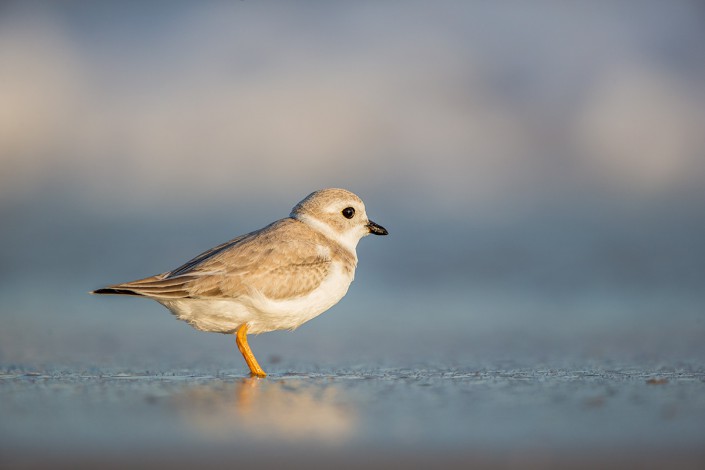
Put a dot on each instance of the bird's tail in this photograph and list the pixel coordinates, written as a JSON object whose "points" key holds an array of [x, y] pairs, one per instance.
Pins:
{"points": [[156, 287], [114, 291]]}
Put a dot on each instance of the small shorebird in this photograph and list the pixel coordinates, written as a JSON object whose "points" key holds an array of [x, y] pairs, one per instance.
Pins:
{"points": [[275, 278]]}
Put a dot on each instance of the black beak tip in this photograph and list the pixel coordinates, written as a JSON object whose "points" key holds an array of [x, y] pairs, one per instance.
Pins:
{"points": [[376, 229]]}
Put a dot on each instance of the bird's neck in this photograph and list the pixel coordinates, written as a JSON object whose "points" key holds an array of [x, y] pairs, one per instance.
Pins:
{"points": [[347, 242]]}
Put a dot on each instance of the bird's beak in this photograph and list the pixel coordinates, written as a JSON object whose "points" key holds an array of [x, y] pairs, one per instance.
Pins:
{"points": [[376, 229]]}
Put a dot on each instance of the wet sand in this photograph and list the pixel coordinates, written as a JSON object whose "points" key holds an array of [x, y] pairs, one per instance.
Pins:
{"points": [[416, 417]]}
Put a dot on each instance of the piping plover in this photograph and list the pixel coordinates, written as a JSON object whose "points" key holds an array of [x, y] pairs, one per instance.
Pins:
{"points": [[275, 278]]}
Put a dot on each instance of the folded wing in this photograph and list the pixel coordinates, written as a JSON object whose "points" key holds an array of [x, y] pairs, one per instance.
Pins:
{"points": [[282, 260]]}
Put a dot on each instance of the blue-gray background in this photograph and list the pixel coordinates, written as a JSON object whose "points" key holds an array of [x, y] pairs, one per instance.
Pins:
{"points": [[540, 167]]}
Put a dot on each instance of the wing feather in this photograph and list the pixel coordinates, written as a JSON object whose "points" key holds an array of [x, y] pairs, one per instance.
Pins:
{"points": [[282, 260]]}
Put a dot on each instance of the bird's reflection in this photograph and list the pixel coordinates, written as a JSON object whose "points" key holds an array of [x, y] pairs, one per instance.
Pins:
{"points": [[289, 410]]}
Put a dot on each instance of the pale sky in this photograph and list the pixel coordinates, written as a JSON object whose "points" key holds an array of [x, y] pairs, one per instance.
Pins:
{"points": [[457, 104]]}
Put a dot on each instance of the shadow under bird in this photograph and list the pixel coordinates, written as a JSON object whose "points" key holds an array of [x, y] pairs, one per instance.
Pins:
{"points": [[275, 278]]}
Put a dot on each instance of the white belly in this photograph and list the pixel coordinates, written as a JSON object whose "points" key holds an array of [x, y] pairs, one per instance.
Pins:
{"points": [[259, 312]]}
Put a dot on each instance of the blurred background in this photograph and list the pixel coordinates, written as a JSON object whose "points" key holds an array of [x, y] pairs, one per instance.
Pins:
{"points": [[540, 167]]}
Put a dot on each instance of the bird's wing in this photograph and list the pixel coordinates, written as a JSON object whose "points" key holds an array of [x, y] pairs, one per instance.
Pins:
{"points": [[280, 261], [193, 263]]}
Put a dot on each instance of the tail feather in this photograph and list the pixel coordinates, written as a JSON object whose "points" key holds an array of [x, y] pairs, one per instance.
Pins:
{"points": [[153, 287], [110, 290]]}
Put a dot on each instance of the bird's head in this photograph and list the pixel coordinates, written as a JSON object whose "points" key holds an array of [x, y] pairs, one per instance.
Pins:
{"points": [[338, 214]]}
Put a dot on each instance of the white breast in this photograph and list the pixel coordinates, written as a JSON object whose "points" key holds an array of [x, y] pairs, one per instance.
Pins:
{"points": [[292, 313]]}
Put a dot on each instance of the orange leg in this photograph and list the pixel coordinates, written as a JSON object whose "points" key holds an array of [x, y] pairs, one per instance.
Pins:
{"points": [[241, 339]]}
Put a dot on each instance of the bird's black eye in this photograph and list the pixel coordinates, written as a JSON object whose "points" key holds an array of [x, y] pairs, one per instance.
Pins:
{"points": [[348, 212]]}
